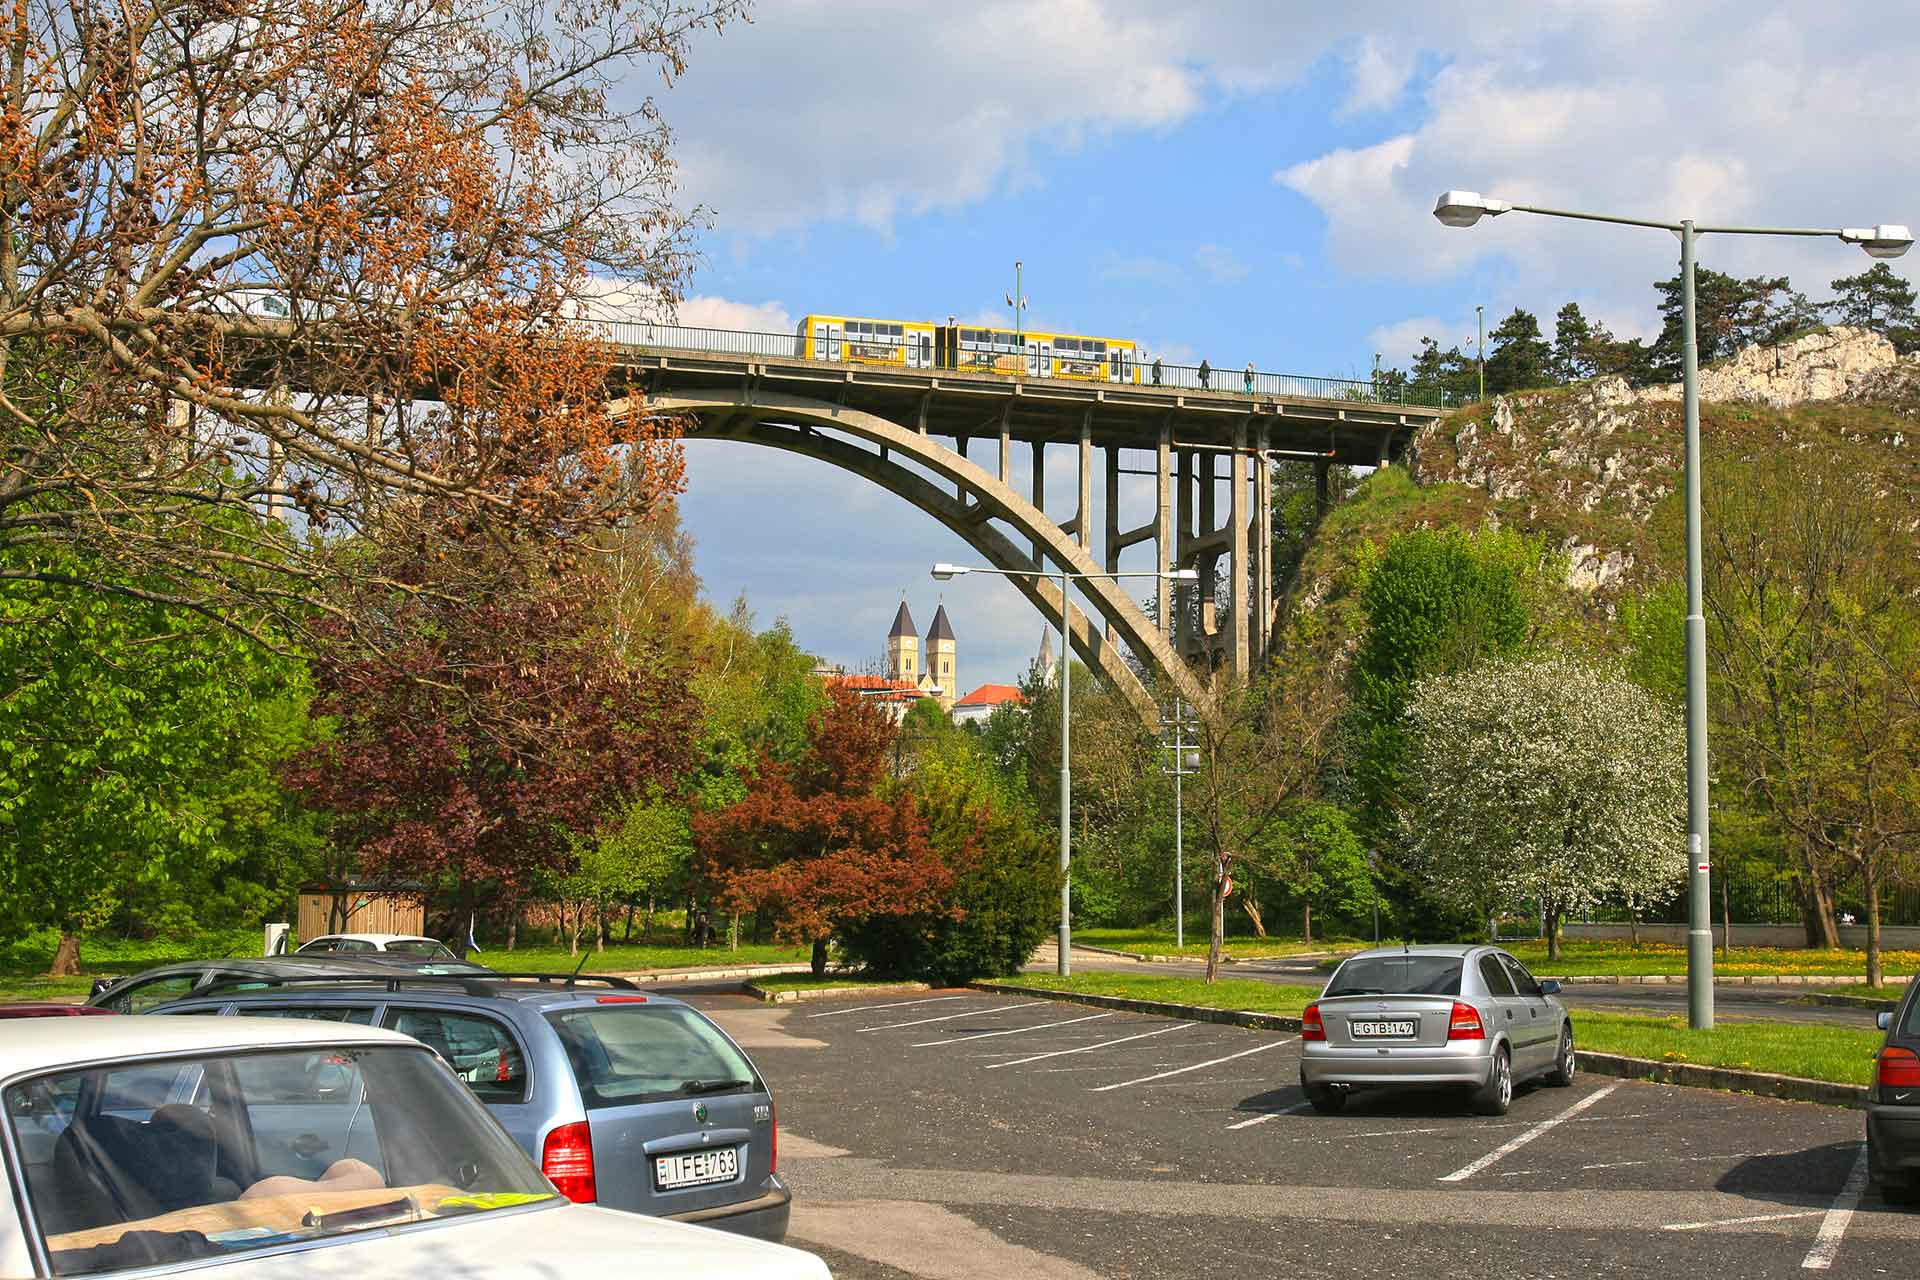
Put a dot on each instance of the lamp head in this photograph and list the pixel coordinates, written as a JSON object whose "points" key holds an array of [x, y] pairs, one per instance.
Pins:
{"points": [[1184, 575], [1464, 208], [945, 572], [1888, 240]]}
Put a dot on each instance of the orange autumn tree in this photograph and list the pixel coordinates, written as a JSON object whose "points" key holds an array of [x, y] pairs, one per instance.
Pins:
{"points": [[820, 843], [320, 260]]}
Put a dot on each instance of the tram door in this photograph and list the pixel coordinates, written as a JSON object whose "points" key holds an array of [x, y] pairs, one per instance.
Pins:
{"points": [[919, 350], [826, 341], [1040, 359]]}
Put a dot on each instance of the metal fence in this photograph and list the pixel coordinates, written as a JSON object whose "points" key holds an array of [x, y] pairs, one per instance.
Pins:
{"points": [[1255, 386]]}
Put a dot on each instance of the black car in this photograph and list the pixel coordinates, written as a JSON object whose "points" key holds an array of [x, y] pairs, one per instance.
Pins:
{"points": [[141, 991], [1893, 1104]]}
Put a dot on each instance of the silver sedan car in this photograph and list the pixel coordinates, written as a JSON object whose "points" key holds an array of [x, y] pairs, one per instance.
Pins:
{"points": [[1470, 1016]]}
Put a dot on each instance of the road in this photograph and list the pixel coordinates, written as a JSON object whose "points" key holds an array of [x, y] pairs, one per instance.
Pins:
{"points": [[962, 1134], [1732, 1003]]}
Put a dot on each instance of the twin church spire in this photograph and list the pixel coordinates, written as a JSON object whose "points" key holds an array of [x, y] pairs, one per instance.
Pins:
{"points": [[905, 655]]}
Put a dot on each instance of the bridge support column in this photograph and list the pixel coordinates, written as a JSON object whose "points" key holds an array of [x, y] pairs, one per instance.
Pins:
{"points": [[1111, 560], [1164, 552], [1083, 517], [1185, 643], [1039, 492], [1237, 517], [1262, 551]]}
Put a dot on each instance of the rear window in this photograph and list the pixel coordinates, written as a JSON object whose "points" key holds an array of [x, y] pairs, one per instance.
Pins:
{"points": [[624, 1054], [1402, 975], [421, 947]]}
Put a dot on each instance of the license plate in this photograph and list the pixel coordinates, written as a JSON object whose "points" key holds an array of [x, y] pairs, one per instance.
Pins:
{"points": [[1380, 1029], [696, 1168]]}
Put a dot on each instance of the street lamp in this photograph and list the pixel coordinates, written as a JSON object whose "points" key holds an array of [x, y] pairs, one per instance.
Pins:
{"points": [[1464, 209], [944, 572]]}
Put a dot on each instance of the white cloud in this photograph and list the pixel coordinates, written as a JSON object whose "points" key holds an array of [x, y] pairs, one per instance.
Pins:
{"points": [[1379, 77], [721, 313], [1220, 264], [1398, 342]]}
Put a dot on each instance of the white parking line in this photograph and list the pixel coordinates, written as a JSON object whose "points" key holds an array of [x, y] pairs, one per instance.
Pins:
{"points": [[1501, 1153], [875, 1008], [1735, 1222], [971, 1013], [1212, 1062], [1060, 1053], [1270, 1115], [1826, 1242], [1015, 1031]]}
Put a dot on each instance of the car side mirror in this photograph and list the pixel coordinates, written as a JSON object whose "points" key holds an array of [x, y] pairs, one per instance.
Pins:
{"points": [[1883, 1020], [1548, 987]]}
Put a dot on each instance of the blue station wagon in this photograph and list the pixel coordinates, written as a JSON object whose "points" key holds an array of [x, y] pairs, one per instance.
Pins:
{"points": [[627, 1099]]}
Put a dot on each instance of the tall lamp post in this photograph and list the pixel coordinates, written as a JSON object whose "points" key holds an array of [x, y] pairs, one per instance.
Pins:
{"points": [[944, 572], [1464, 209]]}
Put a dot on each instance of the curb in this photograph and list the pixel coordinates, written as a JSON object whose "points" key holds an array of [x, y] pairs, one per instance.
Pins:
{"points": [[1191, 1012], [1693, 1075], [1851, 1002], [655, 976], [832, 993], [1614, 1065], [1719, 979]]}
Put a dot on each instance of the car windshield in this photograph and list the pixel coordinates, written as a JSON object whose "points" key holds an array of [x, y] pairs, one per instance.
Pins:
{"points": [[149, 1163], [1397, 975], [421, 947], [627, 1053]]}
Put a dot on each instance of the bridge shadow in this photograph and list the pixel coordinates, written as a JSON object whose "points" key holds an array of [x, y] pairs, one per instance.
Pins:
{"points": [[1810, 1178]]}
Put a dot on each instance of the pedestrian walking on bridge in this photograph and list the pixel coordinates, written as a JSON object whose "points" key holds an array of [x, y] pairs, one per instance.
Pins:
{"points": [[1249, 377], [1206, 372]]}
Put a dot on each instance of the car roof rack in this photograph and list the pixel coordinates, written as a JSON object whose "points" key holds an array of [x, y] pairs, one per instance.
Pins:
{"points": [[480, 984]]}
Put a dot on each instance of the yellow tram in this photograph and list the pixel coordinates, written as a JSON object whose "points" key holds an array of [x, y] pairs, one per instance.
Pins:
{"points": [[912, 344]]}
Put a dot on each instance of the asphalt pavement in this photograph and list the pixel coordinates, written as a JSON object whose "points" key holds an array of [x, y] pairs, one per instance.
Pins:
{"points": [[965, 1134]]}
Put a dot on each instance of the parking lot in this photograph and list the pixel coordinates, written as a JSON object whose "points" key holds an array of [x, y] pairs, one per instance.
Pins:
{"points": [[963, 1133]]}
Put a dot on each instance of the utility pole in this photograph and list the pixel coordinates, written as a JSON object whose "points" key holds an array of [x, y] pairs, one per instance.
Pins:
{"points": [[1184, 760]]}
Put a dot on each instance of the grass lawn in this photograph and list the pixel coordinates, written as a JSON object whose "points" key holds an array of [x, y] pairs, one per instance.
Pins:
{"points": [[1582, 958], [807, 982], [1818, 1052], [1244, 994], [1889, 992], [21, 987], [1159, 942], [626, 959]]}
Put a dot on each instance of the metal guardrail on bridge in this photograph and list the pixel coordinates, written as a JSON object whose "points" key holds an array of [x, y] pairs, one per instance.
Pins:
{"points": [[1153, 373]]}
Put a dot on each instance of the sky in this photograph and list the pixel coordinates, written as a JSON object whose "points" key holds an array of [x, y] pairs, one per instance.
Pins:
{"points": [[1239, 180]]}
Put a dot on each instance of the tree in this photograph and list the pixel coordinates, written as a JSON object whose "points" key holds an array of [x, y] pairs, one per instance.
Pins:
{"points": [[816, 843], [1520, 357], [467, 754], [1729, 314], [1549, 781], [635, 857], [281, 258], [1879, 300], [1573, 337], [1315, 855], [1810, 590], [134, 744], [1263, 748]]}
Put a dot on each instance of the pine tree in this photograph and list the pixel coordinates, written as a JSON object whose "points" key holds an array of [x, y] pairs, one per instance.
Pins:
{"points": [[1879, 300], [1572, 345], [1520, 356]]}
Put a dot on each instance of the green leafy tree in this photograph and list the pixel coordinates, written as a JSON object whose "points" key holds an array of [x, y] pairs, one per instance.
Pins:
{"points": [[136, 742], [1573, 336], [1520, 357], [1551, 781], [1729, 314], [1879, 300], [1314, 855]]}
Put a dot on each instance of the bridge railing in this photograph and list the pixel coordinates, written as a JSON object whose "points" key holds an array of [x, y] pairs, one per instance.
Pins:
{"points": [[1255, 386]]}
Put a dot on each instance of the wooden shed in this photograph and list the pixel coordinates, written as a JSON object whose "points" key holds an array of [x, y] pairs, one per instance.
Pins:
{"points": [[367, 908]]}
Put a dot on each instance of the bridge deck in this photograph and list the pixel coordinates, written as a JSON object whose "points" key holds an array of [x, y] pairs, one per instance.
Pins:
{"points": [[945, 402]]}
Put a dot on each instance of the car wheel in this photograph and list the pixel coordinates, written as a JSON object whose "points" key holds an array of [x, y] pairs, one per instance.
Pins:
{"points": [[1905, 1193], [1496, 1095], [1563, 1062], [1327, 1099]]}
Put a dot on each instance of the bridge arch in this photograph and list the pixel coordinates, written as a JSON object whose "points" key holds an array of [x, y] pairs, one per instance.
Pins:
{"points": [[800, 425]]}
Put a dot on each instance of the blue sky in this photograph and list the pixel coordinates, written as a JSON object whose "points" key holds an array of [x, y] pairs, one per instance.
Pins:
{"points": [[1240, 179]]}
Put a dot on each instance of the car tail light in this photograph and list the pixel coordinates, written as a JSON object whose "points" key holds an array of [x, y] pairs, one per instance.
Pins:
{"points": [[773, 1139], [1899, 1068], [567, 1160], [1311, 1027], [1464, 1024], [619, 999]]}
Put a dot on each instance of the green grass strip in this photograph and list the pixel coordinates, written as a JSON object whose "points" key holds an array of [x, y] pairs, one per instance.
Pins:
{"points": [[807, 982], [1813, 1051], [1581, 959], [19, 988], [1157, 942], [1244, 994]]}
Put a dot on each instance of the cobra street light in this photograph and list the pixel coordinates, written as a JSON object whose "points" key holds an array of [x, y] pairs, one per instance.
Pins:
{"points": [[1888, 240]]}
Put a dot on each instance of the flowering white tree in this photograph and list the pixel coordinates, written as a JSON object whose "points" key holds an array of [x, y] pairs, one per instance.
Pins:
{"points": [[1548, 780]]}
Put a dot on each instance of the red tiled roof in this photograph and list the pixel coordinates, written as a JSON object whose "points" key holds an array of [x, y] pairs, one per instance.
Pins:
{"points": [[881, 688], [990, 695]]}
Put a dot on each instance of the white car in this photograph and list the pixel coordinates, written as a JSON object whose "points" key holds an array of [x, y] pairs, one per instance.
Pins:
{"points": [[360, 944], [295, 1148]]}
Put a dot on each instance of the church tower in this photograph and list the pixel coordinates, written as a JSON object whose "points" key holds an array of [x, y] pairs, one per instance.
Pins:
{"points": [[903, 649], [940, 658]]}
